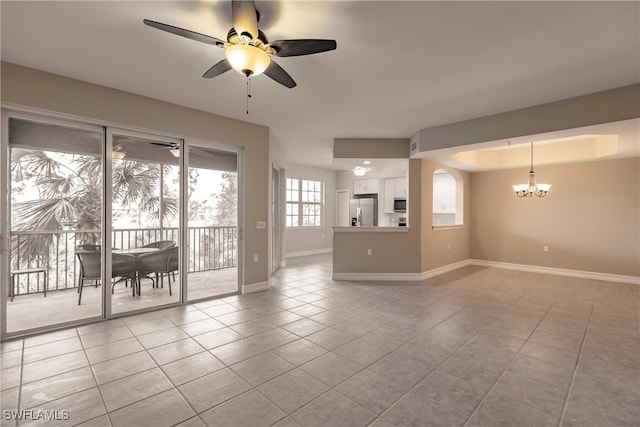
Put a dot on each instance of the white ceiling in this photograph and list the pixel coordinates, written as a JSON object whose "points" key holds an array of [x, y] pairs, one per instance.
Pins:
{"points": [[399, 66]]}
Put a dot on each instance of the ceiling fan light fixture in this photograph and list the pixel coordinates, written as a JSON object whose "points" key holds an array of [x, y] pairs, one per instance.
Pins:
{"points": [[247, 60], [360, 171], [175, 151], [118, 152]]}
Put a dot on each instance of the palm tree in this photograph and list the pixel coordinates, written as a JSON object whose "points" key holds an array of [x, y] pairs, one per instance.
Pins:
{"points": [[69, 197]]}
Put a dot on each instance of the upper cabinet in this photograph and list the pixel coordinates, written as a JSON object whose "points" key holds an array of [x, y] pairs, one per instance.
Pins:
{"points": [[444, 193], [365, 186], [394, 188], [401, 187]]}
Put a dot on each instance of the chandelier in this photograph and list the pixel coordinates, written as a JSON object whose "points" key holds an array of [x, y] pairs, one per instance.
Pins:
{"points": [[531, 188]]}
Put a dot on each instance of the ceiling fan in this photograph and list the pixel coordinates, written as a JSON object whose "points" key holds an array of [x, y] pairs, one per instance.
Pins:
{"points": [[247, 49], [174, 148]]}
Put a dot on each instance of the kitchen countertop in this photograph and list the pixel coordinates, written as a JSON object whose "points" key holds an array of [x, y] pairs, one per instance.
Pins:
{"points": [[394, 229]]}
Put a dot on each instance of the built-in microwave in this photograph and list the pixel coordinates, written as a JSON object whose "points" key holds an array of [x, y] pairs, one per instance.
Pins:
{"points": [[399, 205]]}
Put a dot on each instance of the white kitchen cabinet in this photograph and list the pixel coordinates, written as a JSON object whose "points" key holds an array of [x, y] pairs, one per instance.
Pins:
{"points": [[389, 194], [365, 186], [444, 193], [394, 188], [401, 187]]}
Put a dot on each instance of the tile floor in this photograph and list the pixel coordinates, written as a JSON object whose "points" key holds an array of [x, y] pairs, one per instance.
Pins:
{"points": [[473, 347]]}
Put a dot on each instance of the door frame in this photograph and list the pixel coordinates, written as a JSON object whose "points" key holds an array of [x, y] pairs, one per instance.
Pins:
{"points": [[9, 111]]}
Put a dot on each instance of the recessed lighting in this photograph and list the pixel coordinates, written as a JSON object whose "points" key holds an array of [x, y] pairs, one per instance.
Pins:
{"points": [[366, 162]]}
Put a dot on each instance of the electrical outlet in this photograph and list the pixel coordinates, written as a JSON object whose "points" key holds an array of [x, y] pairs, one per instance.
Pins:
{"points": [[369, 252], [545, 248], [255, 258]]}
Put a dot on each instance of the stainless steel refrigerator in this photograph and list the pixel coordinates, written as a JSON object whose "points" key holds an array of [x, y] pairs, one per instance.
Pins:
{"points": [[363, 212]]}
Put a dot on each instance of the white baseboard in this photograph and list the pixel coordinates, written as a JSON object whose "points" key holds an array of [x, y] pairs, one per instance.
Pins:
{"points": [[618, 278], [377, 276], [308, 253], [632, 280], [401, 276], [283, 263], [444, 269], [255, 287]]}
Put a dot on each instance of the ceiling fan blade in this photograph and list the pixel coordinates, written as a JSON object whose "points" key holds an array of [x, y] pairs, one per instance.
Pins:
{"points": [[302, 47], [163, 144], [245, 18], [221, 67], [185, 33], [278, 74]]}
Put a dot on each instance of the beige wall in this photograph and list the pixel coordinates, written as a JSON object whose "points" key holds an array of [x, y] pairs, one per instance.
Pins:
{"points": [[33, 88], [436, 243], [392, 252], [372, 148], [313, 239], [602, 107], [590, 219]]}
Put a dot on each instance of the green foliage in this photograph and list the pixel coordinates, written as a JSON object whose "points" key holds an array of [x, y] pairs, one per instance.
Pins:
{"points": [[69, 188]]}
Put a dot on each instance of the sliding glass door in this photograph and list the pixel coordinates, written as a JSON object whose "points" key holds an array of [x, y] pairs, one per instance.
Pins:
{"points": [[212, 226], [145, 207], [75, 246], [56, 209]]}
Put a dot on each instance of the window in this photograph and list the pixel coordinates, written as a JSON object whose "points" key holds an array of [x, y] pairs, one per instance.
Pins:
{"points": [[447, 199], [304, 203]]}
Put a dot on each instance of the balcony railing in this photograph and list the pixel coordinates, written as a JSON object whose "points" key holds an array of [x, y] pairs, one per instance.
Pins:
{"points": [[208, 248]]}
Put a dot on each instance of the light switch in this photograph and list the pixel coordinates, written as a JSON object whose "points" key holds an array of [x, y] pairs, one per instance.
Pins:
{"points": [[261, 225]]}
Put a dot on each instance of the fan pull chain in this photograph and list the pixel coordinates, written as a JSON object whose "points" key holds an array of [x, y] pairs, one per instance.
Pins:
{"points": [[248, 92]]}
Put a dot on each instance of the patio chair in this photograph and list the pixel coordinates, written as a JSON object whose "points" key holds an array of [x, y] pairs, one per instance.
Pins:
{"points": [[162, 244], [90, 258], [164, 261]]}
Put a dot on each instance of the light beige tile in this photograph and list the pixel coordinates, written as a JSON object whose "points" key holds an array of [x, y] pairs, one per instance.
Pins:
{"points": [[80, 407], [252, 327], [538, 394], [452, 394], [292, 390], [364, 352], [333, 409], [162, 410], [40, 392], [53, 366], [261, 368], [192, 367], [213, 389], [113, 350], [498, 410], [10, 377], [133, 388], [50, 337], [165, 336], [201, 326], [237, 351], [303, 327], [250, 409], [13, 345], [148, 326], [176, 350], [331, 368], [121, 367], [373, 391], [103, 337], [300, 351], [56, 348], [217, 337]]}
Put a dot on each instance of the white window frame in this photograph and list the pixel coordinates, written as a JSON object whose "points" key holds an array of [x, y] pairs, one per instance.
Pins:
{"points": [[298, 196]]}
